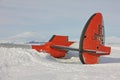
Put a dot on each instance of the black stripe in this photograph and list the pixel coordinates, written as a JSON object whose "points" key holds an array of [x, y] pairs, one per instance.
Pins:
{"points": [[52, 38], [65, 48]]}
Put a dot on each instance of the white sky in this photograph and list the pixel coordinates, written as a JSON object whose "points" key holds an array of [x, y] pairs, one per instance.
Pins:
{"points": [[43, 18]]}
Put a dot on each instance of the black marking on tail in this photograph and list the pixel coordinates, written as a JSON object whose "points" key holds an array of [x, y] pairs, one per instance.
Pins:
{"points": [[52, 38]]}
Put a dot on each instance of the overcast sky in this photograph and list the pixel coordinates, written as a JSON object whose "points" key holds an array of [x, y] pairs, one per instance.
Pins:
{"points": [[40, 19]]}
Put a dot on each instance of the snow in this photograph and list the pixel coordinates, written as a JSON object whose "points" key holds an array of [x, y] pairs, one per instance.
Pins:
{"points": [[27, 64]]}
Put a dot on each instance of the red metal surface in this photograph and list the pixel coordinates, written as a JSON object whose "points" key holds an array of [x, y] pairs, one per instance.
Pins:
{"points": [[93, 40], [55, 40]]}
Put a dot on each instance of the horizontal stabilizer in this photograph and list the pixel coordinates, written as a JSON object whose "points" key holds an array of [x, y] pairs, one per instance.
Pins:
{"points": [[66, 48], [96, 52]]}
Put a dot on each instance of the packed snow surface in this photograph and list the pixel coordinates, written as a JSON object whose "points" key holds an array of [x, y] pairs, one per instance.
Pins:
{"points": [[27, 64]]}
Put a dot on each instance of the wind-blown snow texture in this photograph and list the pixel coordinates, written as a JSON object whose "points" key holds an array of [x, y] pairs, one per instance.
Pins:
{"points": [[27, 64]]}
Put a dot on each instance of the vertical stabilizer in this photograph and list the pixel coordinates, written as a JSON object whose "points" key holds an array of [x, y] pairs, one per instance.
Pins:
{"points": [[92, 40]]}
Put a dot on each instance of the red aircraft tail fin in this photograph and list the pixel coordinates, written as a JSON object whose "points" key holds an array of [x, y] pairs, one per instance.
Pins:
{"points": [[61, 41], [92, 40], [55, 40]]}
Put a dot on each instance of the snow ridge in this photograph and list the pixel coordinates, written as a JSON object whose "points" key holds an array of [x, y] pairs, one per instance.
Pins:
{"points": [[27, 64]]}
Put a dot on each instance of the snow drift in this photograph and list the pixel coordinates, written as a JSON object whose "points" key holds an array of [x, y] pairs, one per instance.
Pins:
{"points": [[27, 64]]}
